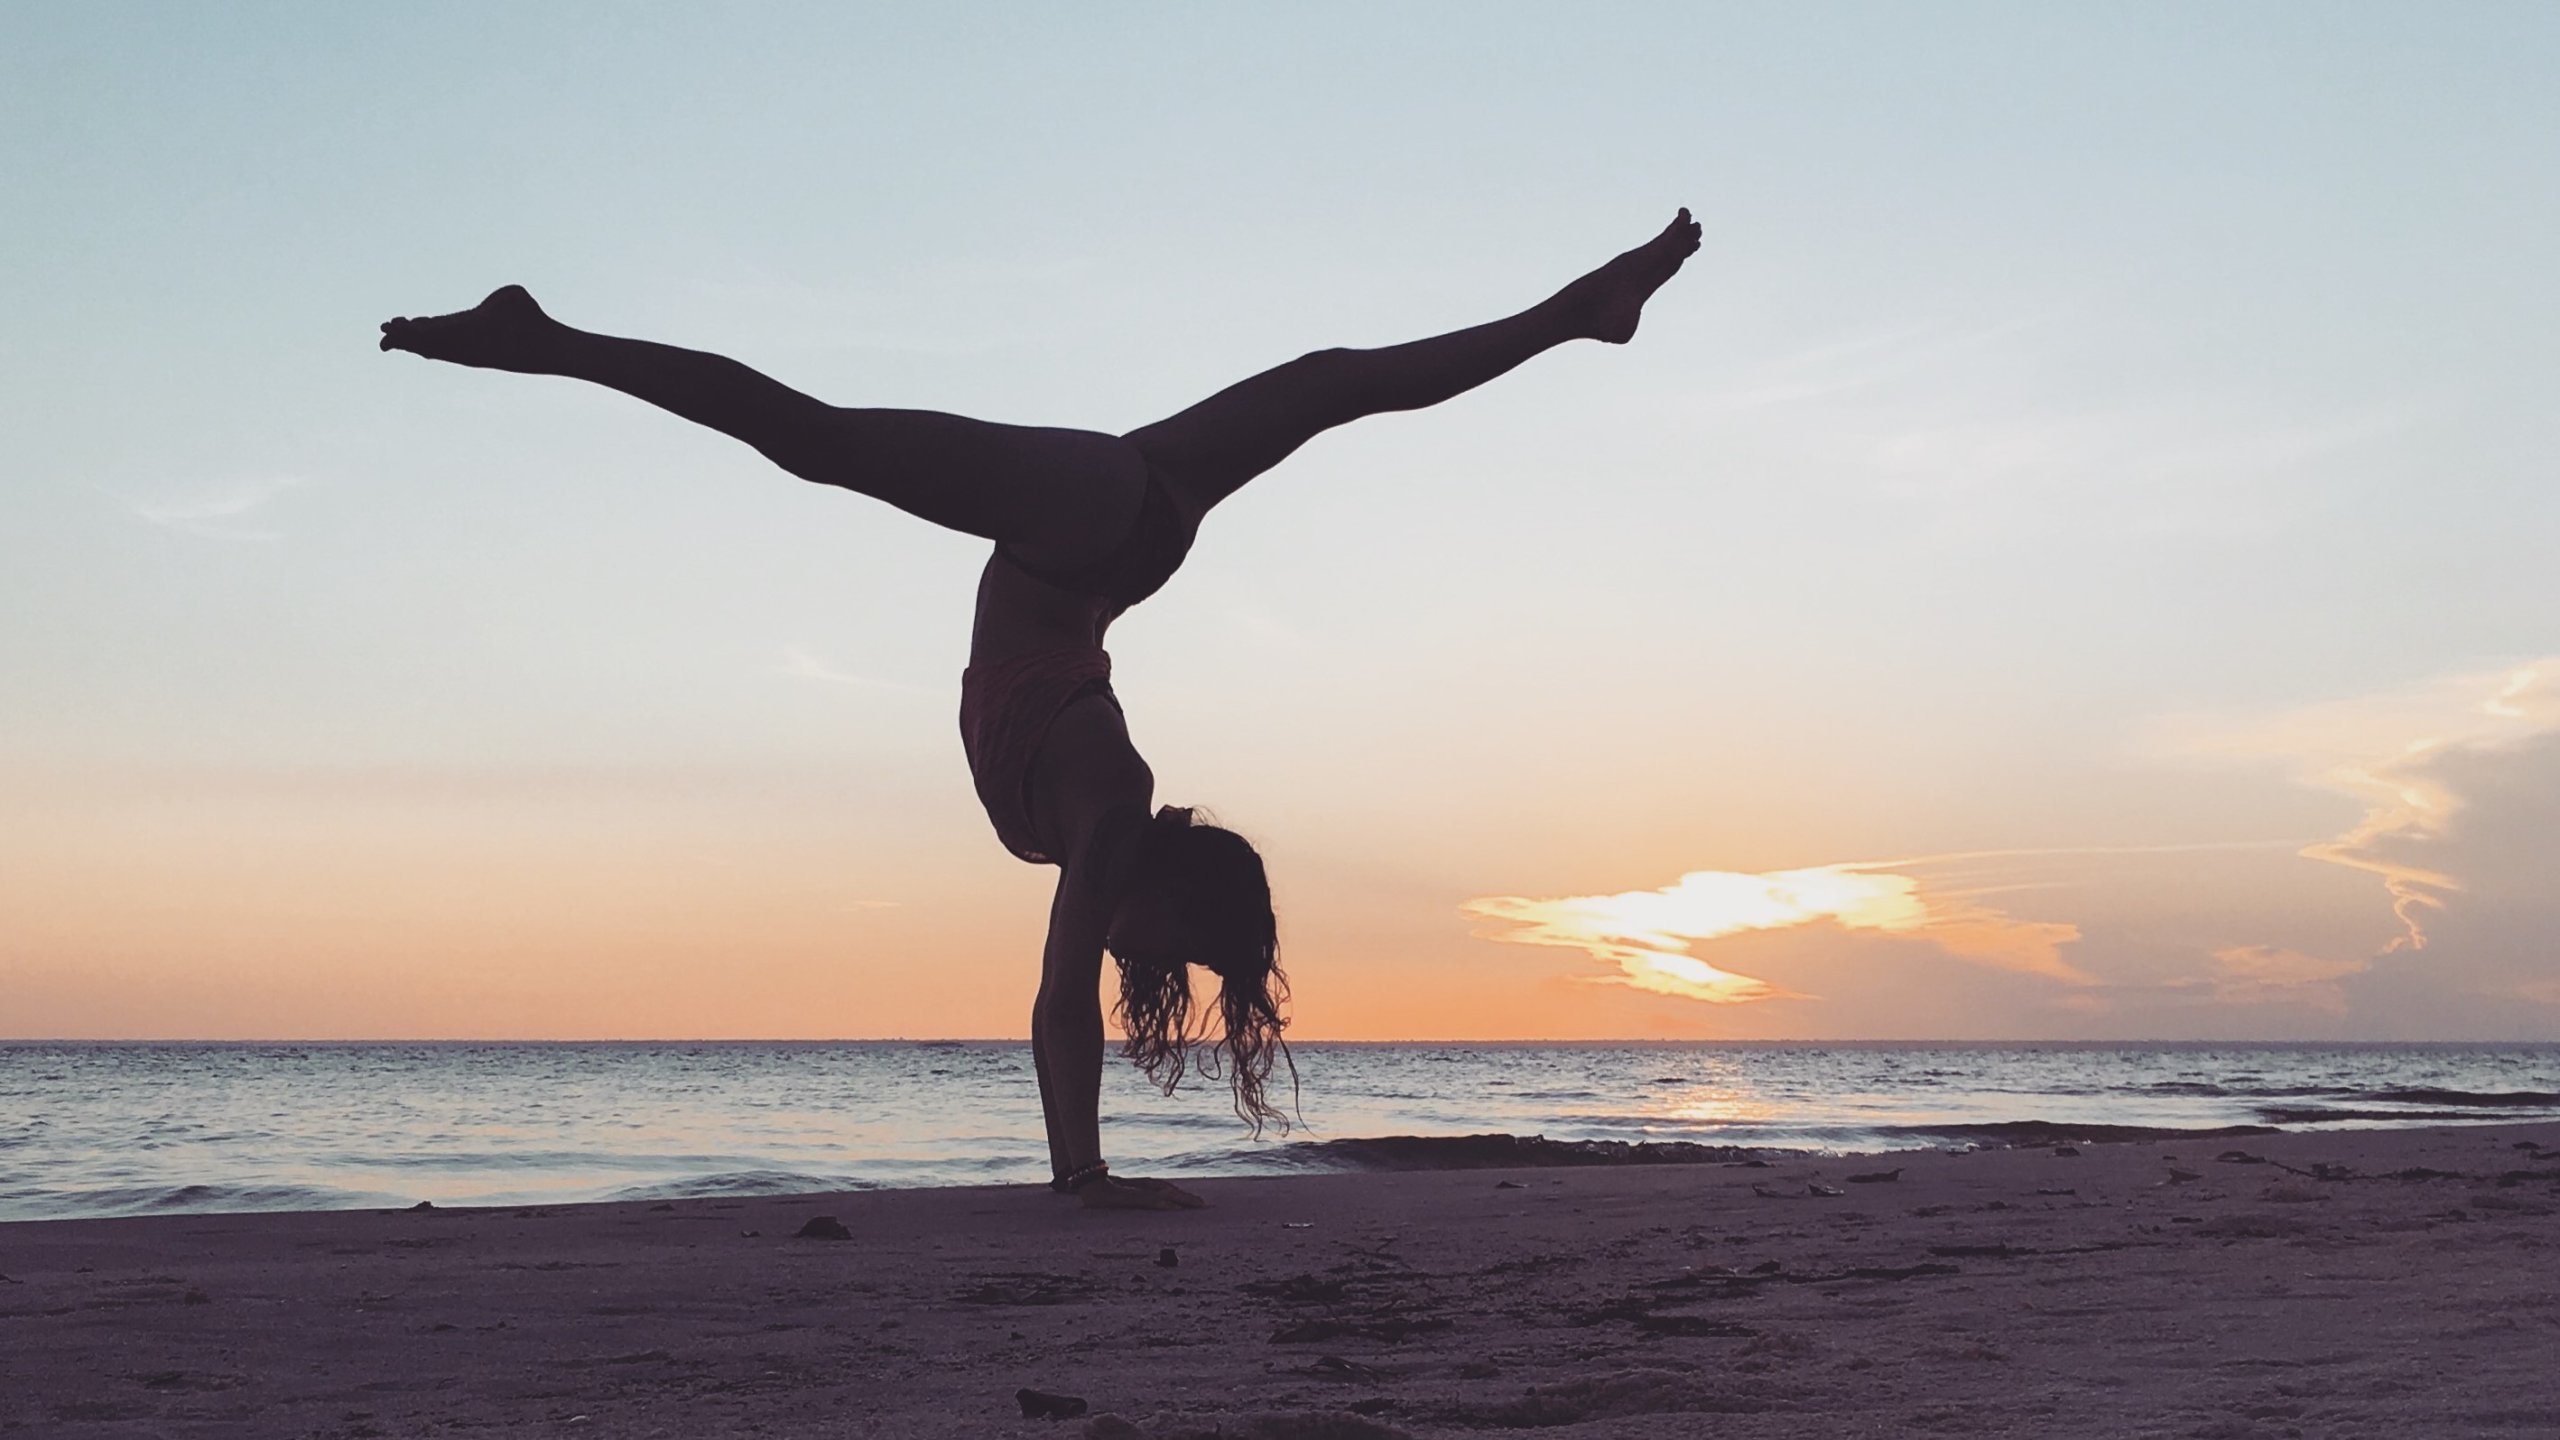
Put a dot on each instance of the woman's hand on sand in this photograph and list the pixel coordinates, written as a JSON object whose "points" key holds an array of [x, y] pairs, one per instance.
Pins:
{"points": [[1113, 1192]]}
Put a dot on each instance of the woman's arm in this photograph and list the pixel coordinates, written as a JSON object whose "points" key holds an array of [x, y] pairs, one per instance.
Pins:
{"points": [[1066, 1026], [1091, 791], [1067, 1051]]}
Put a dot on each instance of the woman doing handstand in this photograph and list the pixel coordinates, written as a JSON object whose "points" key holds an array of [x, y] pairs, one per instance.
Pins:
{"points": [[1085, 526]]}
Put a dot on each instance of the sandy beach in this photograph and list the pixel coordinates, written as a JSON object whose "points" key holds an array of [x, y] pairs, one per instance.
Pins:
{"points": [[2386, 1283]]}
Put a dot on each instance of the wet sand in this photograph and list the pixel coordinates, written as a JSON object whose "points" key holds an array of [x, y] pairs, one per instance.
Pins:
{"points": [[2388, 1283]]}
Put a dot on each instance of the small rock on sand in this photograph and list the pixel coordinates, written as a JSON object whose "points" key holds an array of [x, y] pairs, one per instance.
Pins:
{"points": [[1269, 1425], [823, 1227], [1041, 1405]]}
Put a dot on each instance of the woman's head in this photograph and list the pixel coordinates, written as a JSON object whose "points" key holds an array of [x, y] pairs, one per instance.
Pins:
{"points": [[1196, 895]]}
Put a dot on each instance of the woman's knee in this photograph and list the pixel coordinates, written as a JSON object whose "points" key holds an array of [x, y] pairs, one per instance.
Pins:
{"points": [[1324, 366]]}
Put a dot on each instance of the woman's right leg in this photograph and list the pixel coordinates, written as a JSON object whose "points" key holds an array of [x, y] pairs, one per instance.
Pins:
{"points": [[1213, 448], [1065, 495]]}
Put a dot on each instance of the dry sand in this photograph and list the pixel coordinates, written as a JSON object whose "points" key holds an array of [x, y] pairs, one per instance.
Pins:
{"points": [[2138, 1289]]}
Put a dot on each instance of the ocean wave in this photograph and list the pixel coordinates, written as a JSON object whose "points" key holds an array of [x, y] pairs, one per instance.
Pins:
{"points": [[2332, 1114], [740, 1182], [2062, 1132], [1497, 1151], [2487, 1099], [33, 1203], [2209, 1090]]}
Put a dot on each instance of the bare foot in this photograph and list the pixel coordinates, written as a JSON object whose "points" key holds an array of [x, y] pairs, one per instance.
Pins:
{"points": [[507, 331], [1608, 301]]}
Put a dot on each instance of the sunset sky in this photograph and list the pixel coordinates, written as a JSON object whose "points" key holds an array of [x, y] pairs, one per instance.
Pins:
{"points": [[2077, 554]]}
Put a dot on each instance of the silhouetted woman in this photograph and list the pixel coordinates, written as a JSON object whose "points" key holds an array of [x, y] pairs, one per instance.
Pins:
{"points": [[1085, 526]]}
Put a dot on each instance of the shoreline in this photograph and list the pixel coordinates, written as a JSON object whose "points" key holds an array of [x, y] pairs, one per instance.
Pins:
{"points": [[2382, 1282], [1348, 1155], [125, 1130]]}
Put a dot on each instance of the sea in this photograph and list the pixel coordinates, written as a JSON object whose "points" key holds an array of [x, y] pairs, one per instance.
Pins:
{"points": [[96, 1129]]}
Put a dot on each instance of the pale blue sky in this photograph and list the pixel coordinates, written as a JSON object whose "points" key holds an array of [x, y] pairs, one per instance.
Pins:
{"points": [[2053, 379]]}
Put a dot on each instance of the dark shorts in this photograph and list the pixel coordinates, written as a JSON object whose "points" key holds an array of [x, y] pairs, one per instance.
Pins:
{"points": [[1139, 565]]}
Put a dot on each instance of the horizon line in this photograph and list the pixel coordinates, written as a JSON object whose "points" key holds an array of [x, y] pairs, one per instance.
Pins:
{"points": [[34, 1040]]}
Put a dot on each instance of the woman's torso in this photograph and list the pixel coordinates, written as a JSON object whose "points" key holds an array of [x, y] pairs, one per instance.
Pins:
{"points": [[1035, 617], [1051, 755]]}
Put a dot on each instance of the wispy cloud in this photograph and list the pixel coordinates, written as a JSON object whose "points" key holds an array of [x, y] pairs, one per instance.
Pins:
{"points": [[2272, 974], [1983, 424], [1649, 934], [2164, 466], [952, 308], [1266, 630], [803, 664], [2387, 752], [1846, 364], [216, 512]]}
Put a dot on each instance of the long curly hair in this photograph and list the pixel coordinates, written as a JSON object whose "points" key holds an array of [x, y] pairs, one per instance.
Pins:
{"points": [[1214, 881]]}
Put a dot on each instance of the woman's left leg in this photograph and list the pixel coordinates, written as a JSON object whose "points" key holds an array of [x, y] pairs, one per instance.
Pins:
{"points": [[1214, 447]]}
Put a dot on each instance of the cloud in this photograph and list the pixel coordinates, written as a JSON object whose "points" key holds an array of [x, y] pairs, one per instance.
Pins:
{"points": [[1980, 428], [1648, 934], [2271, 974], [1268, 631], [799, 662], [953, 308], [2495, 938], [211, 511], [2403, 755]]}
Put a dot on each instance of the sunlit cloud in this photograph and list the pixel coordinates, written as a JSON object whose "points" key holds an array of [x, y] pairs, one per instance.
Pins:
{"points": [[1649, 934], [2386, 751], [213, 512], [2271, 974]]}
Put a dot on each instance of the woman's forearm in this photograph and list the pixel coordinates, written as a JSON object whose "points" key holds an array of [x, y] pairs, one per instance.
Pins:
{"points": [[1066, 1047], [1066, 1025]]}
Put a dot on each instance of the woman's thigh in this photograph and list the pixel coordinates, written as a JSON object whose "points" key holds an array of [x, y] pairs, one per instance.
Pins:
{"points": [[1065, 496], [1211, 449]]}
